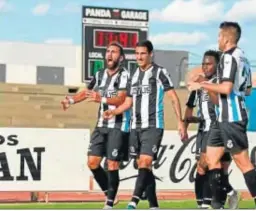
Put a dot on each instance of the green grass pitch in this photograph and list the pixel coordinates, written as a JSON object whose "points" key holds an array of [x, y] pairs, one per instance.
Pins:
{"points": [[187, 204]]}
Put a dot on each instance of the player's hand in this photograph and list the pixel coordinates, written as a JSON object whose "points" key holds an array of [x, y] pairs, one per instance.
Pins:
{"points": [[93, 96], [185, 137], [192, 86], [65, 103], [198, 78], [182, 131], [108, 114]]}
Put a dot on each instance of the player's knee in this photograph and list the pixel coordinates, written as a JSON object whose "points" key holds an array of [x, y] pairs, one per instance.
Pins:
{"points": [[201, 167], [145, 161], [243, 161], [202, 161], [200, 170], [93, 162], [113, 165], [212, 162]]}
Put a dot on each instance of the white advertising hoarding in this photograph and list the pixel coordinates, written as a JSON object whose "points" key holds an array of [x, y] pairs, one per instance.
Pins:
{"points": [[35, 159]]}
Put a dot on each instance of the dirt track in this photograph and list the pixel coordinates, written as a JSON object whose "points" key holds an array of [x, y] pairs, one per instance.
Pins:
{"points": [[94, 196]]}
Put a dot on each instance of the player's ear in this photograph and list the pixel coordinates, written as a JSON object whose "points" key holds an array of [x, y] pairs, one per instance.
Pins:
{"points": [[121, 58]]}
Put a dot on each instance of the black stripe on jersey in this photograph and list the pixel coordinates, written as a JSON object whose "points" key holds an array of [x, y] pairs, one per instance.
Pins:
{"points": [[138, 100], [105, 106], [95, 80], [192, 99], [92, 83], [100, 76], [224, 102], [242, 109], [211, 110], [152, 97], [165, 80], [214, 79], [249, 80], [230, 67]]}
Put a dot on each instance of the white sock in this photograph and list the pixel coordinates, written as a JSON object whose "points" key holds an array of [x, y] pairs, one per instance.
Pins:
{"points": [[133, 204], [231, 193]]}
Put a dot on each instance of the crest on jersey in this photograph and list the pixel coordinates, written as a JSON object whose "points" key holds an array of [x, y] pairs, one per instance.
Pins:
{"points": [[114, 152], [132, 149], [154, 149], [230, 144]]}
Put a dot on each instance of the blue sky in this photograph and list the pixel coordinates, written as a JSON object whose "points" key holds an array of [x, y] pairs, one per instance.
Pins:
{"points": [[190, 25]]}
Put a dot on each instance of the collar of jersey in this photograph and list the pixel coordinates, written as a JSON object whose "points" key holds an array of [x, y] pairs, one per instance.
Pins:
{"points": [[119, 70], [152, 65], [231, 50]]}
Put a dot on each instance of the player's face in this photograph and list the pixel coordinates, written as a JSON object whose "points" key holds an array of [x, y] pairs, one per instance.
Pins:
{"points": [[143, 57], [221, 40], [113, 57], [209, 66]]}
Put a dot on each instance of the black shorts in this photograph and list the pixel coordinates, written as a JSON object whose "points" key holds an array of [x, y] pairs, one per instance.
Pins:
{"points": [[201, 142], [215, 139], [111, 143], [145, 141], [234, 136]]}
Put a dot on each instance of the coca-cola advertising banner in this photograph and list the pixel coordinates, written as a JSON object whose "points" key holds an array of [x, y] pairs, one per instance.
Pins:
{"points": [[175, 167]]}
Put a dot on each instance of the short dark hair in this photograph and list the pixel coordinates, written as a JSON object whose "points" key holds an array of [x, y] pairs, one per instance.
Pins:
{"points": [[146, 43], [214, 54], [117, 44], [235, 25]]}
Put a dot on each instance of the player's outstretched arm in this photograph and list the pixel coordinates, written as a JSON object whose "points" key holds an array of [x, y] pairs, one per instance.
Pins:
{"points": [[222, 88], [227, 78], [115, 100], [69, 100], [119, 110]]}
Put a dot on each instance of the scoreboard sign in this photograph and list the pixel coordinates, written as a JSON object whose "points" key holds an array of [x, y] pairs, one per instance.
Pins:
{"points": [[101, 25]]}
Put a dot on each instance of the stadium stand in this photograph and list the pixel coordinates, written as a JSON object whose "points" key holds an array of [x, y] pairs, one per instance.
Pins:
{"points": [[39, 106]]}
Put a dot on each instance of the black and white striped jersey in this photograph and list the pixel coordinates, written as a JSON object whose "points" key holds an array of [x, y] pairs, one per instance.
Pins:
{"points": [[234, 67], [206, 109], [108, 86], [147, 91]]}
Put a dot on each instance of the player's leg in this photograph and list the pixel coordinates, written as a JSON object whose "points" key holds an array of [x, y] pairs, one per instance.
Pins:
{"points": [[200, 173], [213, 160], [96, 151], [199, 184], [214, 152], [236, 141], [228, 191], [207, 194], [150, 140], [114, 154], [151, 191]]}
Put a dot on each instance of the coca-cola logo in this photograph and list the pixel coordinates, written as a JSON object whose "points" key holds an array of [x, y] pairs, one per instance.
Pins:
{"points": [[181, 167]]}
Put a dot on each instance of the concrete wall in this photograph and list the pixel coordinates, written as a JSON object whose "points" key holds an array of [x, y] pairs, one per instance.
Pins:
{"points": [[22, 60], [176, 63]]}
